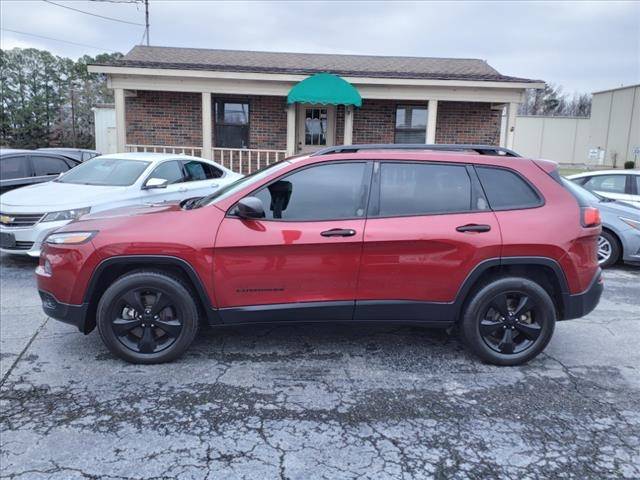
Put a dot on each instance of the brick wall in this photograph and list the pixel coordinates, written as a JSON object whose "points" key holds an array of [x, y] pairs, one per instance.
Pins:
{"points": [[164, 118], [174, 118], [267, 122], [468, 122], [374, 122]]}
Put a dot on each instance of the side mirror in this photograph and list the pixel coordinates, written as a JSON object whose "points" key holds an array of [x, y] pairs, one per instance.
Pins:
{"points": [[250, 207], [155, 183]]}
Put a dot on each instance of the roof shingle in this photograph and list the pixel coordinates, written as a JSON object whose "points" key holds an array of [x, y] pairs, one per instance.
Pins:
{"points": [[310, 63]]}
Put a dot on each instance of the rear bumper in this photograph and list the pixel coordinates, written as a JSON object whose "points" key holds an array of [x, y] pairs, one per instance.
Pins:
{"points": [[75, 315], [581, 304]]}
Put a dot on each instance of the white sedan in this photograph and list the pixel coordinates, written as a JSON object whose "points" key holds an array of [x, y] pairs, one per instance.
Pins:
{"points": [[29, 214], [623, 185]]}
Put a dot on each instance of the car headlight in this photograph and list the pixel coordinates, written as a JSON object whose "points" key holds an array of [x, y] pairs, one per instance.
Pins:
{"points": [[632, 223], [65, 214], [69, 238]]}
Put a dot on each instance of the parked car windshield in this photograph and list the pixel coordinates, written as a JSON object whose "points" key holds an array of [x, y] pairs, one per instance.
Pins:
{"points": [[112, 172], [241, 183]]}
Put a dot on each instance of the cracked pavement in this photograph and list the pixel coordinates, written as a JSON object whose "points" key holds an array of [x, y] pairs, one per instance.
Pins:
{"points": [[319, 401]]}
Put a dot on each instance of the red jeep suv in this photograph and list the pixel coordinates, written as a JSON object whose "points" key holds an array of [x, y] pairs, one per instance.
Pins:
{"points": [[438, 235]]}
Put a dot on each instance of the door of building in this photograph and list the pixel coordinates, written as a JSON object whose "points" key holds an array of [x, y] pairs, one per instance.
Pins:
{"points": [[316, 127]]}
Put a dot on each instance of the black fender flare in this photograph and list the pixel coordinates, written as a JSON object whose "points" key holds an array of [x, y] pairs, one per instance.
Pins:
{"points": [[155, 260], [477, 272]]}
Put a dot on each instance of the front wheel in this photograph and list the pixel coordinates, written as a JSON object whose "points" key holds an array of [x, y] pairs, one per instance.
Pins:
{"points": [[147, 317], [608, 249], [509, 321]]}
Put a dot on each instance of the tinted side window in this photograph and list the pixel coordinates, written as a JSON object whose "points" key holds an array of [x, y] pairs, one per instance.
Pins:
{"points": [[170, 171], [14, 167], [324, 192], [506, 190], [606, 183], [637, 177], [200, 171], [422, 189], [48, 165]]}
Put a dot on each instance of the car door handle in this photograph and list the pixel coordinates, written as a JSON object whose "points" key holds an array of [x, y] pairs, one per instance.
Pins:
{"points": [[338, 232], [473, 227], [182, 189]]}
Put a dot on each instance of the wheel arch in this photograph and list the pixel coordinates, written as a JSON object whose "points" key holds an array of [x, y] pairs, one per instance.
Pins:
{"points": [[115, 267], [545, 271], [615, 235]]}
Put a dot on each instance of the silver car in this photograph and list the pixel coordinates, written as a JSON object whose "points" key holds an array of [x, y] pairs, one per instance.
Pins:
{"points": [[620, 238], [29, 214]]}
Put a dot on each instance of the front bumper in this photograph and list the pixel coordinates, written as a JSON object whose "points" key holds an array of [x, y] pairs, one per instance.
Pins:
{"points": [[29, 239], [75, 315], [581, 304]]}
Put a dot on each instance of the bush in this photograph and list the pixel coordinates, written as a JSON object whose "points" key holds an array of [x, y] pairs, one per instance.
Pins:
{"points": [[629, 164]]}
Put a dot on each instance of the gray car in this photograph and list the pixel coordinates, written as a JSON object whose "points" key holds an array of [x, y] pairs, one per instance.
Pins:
{"points": [[620, 238]]}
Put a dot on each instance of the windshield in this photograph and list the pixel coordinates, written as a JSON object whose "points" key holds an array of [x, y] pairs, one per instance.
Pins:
{"points": [[241, 183], [113, 172]]}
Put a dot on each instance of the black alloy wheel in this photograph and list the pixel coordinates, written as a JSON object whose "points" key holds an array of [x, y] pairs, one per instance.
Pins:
{"points": [[146, 320], [508, 321], [510, 324], [148, 317]]}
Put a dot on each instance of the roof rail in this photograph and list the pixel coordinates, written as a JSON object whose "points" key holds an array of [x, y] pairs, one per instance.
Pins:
{"points": [[480, 149]]}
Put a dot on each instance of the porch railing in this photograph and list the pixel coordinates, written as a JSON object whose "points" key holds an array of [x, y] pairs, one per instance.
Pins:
{"points": [[193, 151], [240, 160], [246, 160]]}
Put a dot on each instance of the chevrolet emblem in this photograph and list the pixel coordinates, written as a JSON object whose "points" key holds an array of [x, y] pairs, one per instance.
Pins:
{"points": [[6, 219]]}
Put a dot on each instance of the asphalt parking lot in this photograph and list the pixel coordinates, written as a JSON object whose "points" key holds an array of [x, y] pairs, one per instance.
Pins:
{"points": [[324, 401]]}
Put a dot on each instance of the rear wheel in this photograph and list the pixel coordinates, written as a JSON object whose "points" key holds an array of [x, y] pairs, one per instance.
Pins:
{"points": [[608, 249], [509, 321], [147, 317]]}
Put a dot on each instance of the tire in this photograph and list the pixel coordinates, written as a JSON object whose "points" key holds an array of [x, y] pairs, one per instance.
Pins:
{"points": [[608, 243], [528, 331], [137, 326]]}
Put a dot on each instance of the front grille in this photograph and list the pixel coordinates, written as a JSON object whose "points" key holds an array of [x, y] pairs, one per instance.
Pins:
{"points": [[19, 219], [23, 245]]}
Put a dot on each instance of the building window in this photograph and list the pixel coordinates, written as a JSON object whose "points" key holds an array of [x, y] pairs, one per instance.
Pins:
{"points": [[411, 124], [231, 124]]}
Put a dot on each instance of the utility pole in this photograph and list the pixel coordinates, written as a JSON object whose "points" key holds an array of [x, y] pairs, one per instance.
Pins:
{"points": [[146, 19], [73, 116]]}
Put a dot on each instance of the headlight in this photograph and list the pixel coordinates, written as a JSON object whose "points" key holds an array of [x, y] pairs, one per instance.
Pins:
{"points": [[65, 214], [632, 223], [69, 238]]}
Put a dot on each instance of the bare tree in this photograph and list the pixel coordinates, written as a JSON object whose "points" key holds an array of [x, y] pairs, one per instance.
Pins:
{"points": [[552, 101]]}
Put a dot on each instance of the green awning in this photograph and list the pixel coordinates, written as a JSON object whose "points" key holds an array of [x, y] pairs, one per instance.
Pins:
{"points": [[325, 89]]}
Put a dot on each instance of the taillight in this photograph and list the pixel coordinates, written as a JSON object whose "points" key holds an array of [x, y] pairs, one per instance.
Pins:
{"points": [[590, 217]]}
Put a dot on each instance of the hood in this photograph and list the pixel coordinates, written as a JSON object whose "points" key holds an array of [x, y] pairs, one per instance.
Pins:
{"points": [[134, 210], [620, 208], [55, 196]]}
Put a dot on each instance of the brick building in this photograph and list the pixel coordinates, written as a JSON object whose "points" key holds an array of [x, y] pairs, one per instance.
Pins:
{"points": [[241, 108]]}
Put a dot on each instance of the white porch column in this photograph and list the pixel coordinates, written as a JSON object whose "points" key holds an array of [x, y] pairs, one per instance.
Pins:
{"points": [[511, 123], [206, 125], [121, 127], [432, 118], [291, 129], [348, 124]]}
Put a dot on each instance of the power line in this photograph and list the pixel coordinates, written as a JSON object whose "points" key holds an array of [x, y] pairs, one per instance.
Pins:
{"points": [[94, 14], [56, 39]]}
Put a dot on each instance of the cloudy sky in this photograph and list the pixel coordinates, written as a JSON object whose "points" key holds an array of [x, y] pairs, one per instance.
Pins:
{"points": [[583, 46]]}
